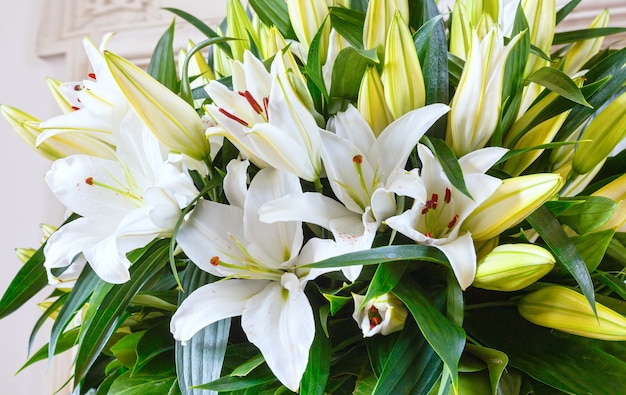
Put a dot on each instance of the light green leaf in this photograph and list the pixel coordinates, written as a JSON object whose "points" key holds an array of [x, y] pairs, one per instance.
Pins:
{"points": [[563, 249], [162, 65], [142, 384], [448, 162], [496, 363], [349, 24], [348, 71], [565, 10], [585, 34], [337, 302], [53, 308], [317, 371], [245, 368], [274, 12], [446, 338], [592, 247], [616, 284], [559, 82], [257, 377], [125, 349], [590, 214]]}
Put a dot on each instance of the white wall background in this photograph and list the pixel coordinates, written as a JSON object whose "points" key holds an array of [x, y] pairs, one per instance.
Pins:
{"points": [[25, 201]]}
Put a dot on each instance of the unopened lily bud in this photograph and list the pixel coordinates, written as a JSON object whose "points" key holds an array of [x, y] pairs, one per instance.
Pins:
{"points": [[460, 31], [576, 183], [541, 17], [511, 267], [384, 314], [307, 16], [24, 254], [378, 18], [511, 203], [171, 119], [221, 61], [55, 89], [371, 102], [239, 27], [47, 230], [568, 311], [581, 51], [605, 131], [402, 74], [615, 190]]}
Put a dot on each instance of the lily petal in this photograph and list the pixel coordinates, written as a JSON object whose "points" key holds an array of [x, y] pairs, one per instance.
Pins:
{"points": [[462, 257]]}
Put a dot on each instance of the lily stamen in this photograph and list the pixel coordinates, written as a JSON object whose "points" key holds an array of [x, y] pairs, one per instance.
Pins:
{"points": [[233, 117], [91, 182]]}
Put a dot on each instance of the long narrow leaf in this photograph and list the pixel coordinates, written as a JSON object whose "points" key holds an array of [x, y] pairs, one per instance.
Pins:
{"points": [[551, 231], [66, 341], [385, 254], [565, 10], [201, 26], [349, 23], [449, 163], [585, 34], [200, 360], [54, 307], [162, 65], [105, 320], [560, 83], [446, 338], [385, 279], [274, 12]]}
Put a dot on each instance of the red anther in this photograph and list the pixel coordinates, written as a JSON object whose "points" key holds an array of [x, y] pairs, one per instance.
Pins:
{"points": [[75, 108], [89, 180], [253, 103], [448, 196], [374, 316], [428, 234], [215, 260], [92, 76], [358, 159], [453, 221], [266, 102], [77, 87], [434, 198], [233, 117], [375, 321], [425, 209]]}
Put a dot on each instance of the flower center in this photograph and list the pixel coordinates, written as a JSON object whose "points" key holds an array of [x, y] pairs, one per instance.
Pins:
{"points": [[254, 104], [124, 192], [373, 315], [437, 221]]}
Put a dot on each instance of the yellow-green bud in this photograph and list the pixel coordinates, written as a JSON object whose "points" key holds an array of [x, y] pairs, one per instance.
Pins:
{"points": [[568, 311], [306, 18], [371, 102], [378, 18], [384, 314], [541, 17], [240, 27], [402, 74], [511, 203], [581, 51], [615, 190], [55, 89], [24, 254], [605, 131], [511, 267]]}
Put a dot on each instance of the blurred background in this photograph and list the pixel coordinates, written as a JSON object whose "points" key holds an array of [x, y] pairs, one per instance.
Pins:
{"points": [[43, 39]]}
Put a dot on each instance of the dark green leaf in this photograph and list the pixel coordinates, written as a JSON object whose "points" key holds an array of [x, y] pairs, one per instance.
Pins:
{"points": [[201, 359], [99, 328], [259, 376], [385, 279], [162, 65], [551, 231], [337, 302], [155, 341], [66, 341], [446, 338], [592, 247], [83, 287], [448, 162], [585, 34], [125, 349], [559, 82], [142, 384], [314, 61], [496, 363], [565, 363], [455, 69], [409, 252], [348, 71], [201, 26], [274, 12], [349, 24], [318, 368], [590, 214], [28, 281], [565, 10], [54, 307]]}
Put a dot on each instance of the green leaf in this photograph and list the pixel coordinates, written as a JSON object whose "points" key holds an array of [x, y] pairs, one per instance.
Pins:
{"points": [[274, 12], [616, 284], [448, 162], [349, 24], [201, 359], [28, 281], [590, 214], [348, 70], [154, 342], [66, 341], [162, 63], [563, 362], [125, 349], [142, 384], [314, 61], [54, 307], [563, 249], [565, 10], [585, 34], [259, 376], [83, 287], [446, 338], [385, 279], [99, 328], [408, 252], [592, 247], [337, 302], [559, 82], [496, 363], [317, 370], [411, 366], [201, 26]]}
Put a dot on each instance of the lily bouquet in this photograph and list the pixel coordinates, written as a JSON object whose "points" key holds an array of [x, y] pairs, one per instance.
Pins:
{"points": [[341, 197]]}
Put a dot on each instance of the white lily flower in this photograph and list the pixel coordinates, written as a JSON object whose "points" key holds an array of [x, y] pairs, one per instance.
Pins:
{"points": [[266, 118], [123, 204], [261, 262], [439, 209], [358, 166]]}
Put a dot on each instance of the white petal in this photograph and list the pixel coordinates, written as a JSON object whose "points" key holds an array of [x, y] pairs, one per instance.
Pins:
{"points": [[406, 223], [395, 143], [136, 230], [481, 160], [351, 125], [280, 323], [462, 256], [69, 180], [235, 182], [108, 262], [211, 303]]}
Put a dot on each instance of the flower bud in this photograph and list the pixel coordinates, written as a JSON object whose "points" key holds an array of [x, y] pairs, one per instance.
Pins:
{"points": [[541, 17], [55, 88], [171, 119], [307, 16], [24, 254], [371, 102], [511, 267], [239, 27], [460, 31], [615, 190], [511, 203], [402, 74], [581, 51], [47, 230], [384, 314], [605, 131], [221, 60], [568, 311], [379, 15]]}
